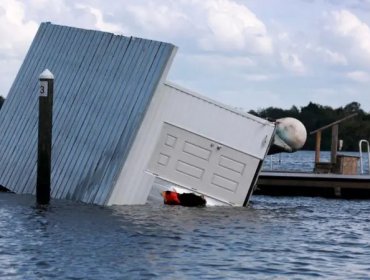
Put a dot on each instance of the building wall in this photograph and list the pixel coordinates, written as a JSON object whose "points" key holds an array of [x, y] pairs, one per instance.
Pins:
{"points": [[103, 86], [197, 114]]}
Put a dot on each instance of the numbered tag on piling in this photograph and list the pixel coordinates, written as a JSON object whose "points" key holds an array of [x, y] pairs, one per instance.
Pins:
{"points": [[43, 88]]}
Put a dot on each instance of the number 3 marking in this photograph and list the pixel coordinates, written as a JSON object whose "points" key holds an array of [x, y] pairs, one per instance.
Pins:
{"points": [[43, 89]]}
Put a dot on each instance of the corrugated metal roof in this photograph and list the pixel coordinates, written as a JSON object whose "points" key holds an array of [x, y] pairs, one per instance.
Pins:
{"points": [[103, 86]]}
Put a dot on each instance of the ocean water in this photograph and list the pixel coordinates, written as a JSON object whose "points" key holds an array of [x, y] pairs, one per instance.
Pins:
{"points": [[272, 238]]}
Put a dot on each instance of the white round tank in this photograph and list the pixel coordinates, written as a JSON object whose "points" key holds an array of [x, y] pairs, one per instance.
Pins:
{"points": [[292, 132]]}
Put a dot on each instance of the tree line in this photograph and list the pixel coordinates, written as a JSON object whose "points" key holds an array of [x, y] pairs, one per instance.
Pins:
{"points": [[314, 116]]}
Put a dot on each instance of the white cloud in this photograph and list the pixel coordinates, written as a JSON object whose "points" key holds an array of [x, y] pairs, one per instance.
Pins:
{"points": [[256, 77], [223, 62], [15, 32], [214, 71], [160, 17], [233, 26], [100, 23], [293, 63], [283, 36], [39, 4], [353, 33], [359, 76], [330, 56], [224, 45], [333, 57], [216, 25]]}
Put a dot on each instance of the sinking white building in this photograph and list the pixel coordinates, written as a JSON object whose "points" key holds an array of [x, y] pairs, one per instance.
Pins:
{"points": [[195, 143], [117, 124]]}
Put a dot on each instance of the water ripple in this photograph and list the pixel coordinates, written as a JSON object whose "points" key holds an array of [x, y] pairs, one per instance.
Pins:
{"points": [[273, 238]]}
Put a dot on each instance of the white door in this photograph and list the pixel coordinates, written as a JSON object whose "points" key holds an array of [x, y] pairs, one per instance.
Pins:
{"points": [[203, 165]]}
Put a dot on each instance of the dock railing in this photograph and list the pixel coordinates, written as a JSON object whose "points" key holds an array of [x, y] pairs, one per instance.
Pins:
{"points": [[304, 161], [272, 160], [360, 144], [287, 162]]}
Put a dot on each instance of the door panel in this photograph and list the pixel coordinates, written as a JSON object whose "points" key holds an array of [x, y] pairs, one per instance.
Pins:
{"points": [[203, 165]]}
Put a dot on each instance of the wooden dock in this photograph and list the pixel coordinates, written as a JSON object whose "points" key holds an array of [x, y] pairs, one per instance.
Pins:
{"points": [[336, 178], [312, 184]]}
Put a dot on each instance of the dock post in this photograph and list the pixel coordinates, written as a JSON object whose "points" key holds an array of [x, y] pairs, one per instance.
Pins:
{"points": [[44, 137], [334, 143], [317, 147]]}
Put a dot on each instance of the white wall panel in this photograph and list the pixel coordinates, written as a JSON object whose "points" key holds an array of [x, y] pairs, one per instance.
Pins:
{"points": [[190, 111]]}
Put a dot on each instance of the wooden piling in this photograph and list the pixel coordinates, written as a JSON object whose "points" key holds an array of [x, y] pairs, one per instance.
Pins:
{"points": [[318, 147], [334, 143], [45, 137]]}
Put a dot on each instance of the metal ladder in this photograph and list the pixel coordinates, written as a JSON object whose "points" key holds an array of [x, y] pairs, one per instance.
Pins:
{"points": [[368, 154]]}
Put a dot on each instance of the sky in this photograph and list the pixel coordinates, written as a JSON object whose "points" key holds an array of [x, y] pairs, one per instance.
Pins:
{"points": [[247, 54]]}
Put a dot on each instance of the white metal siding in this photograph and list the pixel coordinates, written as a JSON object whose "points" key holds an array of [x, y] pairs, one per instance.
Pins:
{"points": [[242, 132]]}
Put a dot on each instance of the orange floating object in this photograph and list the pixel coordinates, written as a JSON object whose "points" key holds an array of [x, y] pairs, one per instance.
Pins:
{"points": [[184, 199], [171, 198]]}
